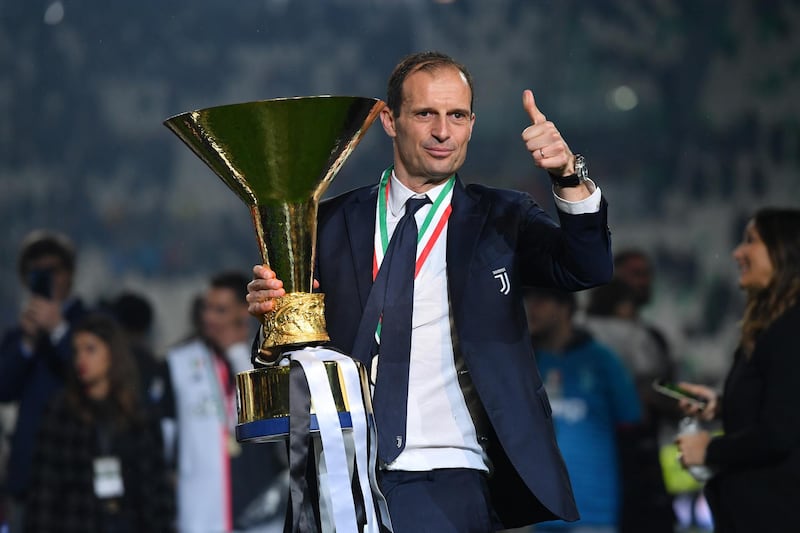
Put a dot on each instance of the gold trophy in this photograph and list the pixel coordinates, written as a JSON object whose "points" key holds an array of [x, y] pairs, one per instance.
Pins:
{"points": [[279, 156]]}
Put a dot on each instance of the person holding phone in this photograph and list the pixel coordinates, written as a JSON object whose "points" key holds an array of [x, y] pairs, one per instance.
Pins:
{"points": [[756, 486], [35, 352], [677, 392]]}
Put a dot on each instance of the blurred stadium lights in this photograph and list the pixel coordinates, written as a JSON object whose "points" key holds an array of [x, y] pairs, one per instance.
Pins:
{"points": [[622, 98], [54, 13]]}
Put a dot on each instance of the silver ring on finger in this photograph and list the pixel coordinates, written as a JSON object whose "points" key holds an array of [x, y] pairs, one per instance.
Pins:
{"points": [[541, 152]]}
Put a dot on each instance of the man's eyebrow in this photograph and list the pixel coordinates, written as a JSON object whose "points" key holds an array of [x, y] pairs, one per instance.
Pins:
{"points": [[433, 110], [422, 109]]}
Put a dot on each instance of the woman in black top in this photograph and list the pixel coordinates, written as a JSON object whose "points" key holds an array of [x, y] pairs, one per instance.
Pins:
{"points": [[757, 460], [98, 464]]}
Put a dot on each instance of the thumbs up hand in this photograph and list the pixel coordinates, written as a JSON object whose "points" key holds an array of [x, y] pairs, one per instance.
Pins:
{"points": [[543, 140]]}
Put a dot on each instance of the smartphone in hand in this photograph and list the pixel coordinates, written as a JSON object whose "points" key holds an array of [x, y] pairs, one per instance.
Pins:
{"points": [[673, 391], [40, 282]]}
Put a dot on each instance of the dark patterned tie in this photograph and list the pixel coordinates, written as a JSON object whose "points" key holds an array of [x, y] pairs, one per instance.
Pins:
{"points": [[391, 384]]}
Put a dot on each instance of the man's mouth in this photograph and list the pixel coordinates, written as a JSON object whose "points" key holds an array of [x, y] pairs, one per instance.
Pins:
{"points": [[438, 151]]}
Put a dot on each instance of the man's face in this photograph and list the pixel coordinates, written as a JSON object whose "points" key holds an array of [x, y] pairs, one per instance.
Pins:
{"points": [[434, 126], [637, 273], [224, 317], [545, 315]]}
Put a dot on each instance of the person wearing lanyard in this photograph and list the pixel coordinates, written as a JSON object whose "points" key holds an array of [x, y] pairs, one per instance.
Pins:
{"points": [[98, 460], [220, 484], [465, 436]]}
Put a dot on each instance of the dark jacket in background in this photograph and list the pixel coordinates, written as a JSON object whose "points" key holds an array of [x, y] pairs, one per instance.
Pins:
{"points": [[62, 497], [31, 380], [757, 487]]}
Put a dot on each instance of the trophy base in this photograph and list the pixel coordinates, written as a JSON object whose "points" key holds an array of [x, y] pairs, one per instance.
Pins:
{"points": [[277, 429], [263, 402]]}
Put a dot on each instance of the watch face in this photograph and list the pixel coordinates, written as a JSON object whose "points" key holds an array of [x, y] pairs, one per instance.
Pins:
{"points": [[580, 168]]}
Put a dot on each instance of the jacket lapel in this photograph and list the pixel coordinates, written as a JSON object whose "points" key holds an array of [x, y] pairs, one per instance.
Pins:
{"points": [[463, 232], [360, 222]]}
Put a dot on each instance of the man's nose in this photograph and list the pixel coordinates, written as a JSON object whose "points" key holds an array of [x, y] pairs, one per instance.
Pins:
{"points": [[440, 128]]}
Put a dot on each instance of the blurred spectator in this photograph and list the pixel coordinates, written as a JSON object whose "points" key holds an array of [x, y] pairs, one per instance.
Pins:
{"points": [[633, 267], [223, 485], [592, 395], [647, 497], [98, 464], [135, 313], [611, 316], [35, 353], [195, 330]]}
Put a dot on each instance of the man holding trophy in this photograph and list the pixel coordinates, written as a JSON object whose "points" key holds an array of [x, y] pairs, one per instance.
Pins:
{"points": [[465, 437]]}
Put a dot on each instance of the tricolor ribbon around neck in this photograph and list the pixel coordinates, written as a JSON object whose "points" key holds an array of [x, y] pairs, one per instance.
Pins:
{"points": [[435, 221], [428, 233]]}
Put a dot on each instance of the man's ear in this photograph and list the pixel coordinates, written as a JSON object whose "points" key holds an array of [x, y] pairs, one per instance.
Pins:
{"points": [[471, 125], [387, 120]]}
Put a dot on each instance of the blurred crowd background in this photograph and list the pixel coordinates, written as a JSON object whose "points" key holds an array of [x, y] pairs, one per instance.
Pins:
{"points": [[686, 111]]}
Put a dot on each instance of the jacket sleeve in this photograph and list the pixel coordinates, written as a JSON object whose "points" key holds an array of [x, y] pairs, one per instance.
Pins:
{"points": [[572, 255]]}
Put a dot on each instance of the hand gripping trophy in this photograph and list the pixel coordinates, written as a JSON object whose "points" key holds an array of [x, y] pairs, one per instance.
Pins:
{"points": [[279, 156]]}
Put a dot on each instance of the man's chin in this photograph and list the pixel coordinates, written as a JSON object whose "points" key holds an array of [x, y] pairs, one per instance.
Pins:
{"points": [[439, 173]]}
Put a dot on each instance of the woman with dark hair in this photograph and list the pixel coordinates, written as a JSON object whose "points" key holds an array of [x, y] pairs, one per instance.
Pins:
{"points": [[98, 462], [756, 485]]}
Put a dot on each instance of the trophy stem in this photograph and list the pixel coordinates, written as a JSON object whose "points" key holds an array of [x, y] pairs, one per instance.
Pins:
{"points": [[288, 230], [286, 234]]}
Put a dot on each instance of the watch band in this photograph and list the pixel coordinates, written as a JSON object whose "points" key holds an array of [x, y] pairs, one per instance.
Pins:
{"points": [[581, 174], [566, 181]]}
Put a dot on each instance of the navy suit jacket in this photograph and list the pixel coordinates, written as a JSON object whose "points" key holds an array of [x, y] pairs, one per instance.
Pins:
{"points": [[32, 380], [488, 230]]}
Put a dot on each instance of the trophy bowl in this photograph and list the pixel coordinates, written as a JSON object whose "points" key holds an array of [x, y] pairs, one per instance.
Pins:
{"points": [[279, 156]]}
